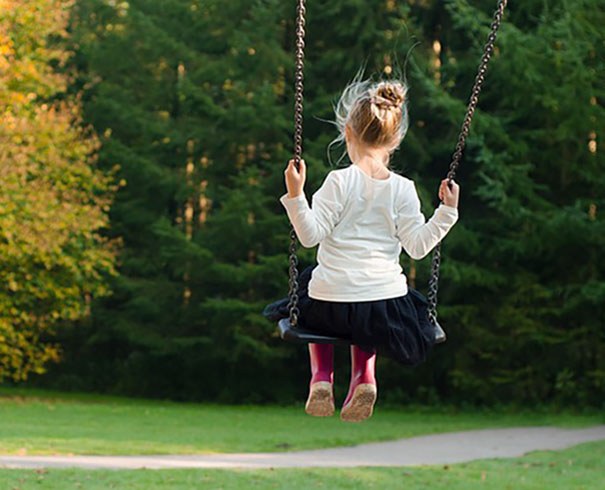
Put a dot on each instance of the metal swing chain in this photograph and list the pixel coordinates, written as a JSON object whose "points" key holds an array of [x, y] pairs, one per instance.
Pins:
{"points": [[298, 129], [489, 46]]}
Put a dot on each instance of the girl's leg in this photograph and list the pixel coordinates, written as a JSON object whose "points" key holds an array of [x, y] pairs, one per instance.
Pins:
{"points": [[320, 402], [360, 400]]}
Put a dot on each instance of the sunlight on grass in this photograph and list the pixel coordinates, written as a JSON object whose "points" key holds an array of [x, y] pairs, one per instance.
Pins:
{"points": [[56, 423], [579, 467]]}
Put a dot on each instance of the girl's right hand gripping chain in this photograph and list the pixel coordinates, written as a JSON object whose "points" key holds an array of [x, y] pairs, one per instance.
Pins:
{"points": [[449, 195]]}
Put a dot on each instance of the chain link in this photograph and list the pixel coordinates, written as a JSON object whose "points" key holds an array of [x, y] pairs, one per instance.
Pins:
{"points": [[298, 130], [474, 99]]}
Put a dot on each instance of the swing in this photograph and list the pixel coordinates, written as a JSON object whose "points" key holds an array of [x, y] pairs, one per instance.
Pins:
{"points": [[288, 327]]}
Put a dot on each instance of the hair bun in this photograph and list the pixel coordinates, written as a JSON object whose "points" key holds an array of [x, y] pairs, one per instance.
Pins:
{"points": [[375, 111], [387, 95]]}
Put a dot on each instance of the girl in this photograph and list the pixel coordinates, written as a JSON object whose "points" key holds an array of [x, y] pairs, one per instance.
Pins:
{"points": [[361, 217]]}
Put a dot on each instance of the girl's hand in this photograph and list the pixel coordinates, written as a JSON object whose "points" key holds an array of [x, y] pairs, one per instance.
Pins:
{"points": [[295, 179], [447, 195]]}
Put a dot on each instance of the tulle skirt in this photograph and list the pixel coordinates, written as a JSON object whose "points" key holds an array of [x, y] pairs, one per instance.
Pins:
{"points": [[397, 328]]}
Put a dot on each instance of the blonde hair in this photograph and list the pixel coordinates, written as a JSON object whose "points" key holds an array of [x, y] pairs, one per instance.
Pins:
{"points": [[375, 111]]}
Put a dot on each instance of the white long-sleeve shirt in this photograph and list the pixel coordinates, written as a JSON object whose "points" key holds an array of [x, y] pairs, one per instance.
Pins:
{"points": [[361, 224]]}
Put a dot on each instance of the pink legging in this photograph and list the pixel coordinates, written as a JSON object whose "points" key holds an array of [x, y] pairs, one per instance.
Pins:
{"points": [[363, 365]]}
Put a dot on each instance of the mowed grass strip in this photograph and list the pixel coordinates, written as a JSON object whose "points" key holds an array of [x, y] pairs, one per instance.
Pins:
{"points": [[56, 423], [578, 468]]}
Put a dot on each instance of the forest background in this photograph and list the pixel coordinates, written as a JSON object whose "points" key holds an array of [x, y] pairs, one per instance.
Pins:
{"points": [[142, 157]]}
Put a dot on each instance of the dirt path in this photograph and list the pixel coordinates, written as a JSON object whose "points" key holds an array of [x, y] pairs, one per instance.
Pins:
{"points": [[452, 447]]}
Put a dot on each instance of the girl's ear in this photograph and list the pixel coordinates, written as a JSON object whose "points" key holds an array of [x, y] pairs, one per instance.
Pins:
{"points": [[347, 132]]}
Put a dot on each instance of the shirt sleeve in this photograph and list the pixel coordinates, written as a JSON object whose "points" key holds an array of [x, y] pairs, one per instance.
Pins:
{"points": [[313, 224], [417, 236]]}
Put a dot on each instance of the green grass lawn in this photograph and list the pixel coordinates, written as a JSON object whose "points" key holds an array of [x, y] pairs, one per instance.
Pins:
{"points": [[577, 468], [38, 422]]}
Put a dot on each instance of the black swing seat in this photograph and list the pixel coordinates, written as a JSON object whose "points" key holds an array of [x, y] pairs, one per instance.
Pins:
{"points": [[440, 336], [302, 336]]}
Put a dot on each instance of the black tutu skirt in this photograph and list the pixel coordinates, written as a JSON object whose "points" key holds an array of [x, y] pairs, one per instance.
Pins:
{"points": [[398, 328]]}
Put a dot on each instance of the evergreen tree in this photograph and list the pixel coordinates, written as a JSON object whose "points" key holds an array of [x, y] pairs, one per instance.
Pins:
{"points": [[524, 287], [195, 123]]}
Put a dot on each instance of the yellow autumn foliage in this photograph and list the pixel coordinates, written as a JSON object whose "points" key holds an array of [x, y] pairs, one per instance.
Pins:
{"points": [[53, 259]]}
